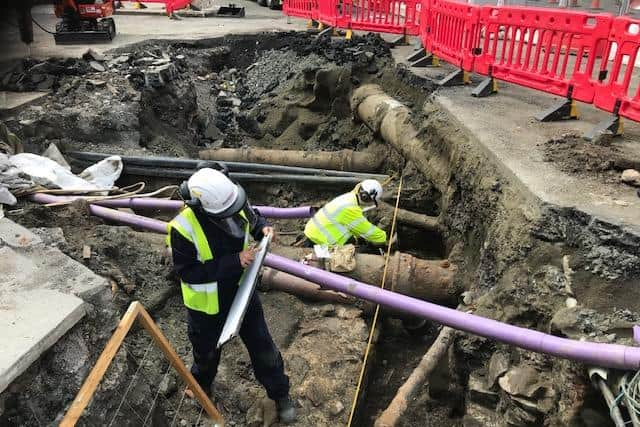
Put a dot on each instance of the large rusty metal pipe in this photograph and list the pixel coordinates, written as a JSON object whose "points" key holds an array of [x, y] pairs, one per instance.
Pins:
{"points": [[277, 280], [392, 120], [403, 216], [344, 160], [425, 279]]}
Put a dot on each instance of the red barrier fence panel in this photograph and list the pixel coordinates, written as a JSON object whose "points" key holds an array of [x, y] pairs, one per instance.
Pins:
{"points": [[384, 16], [173, 5], [307, 9], [619, 89], [331, 13], [425, 20], [453, 32], [551, 50]]}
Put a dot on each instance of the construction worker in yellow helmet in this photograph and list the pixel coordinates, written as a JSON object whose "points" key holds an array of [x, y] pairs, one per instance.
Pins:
{"points": [[343, 218]]}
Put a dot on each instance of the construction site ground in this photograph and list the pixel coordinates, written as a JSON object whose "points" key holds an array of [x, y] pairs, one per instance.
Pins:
{"points": [[521, 195]]}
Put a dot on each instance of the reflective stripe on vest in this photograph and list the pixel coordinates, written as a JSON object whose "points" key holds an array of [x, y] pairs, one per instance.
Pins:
{"points": [[199, 296], [328, 216]]}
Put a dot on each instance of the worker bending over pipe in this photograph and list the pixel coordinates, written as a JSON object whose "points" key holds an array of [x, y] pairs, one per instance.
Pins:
{"points": [[343, 218], [209, 240]]}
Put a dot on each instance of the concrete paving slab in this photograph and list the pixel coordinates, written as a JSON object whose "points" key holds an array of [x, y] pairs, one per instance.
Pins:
{"points": [[13, 101], [27, 264], [30, 323], [41, 297], [16, 235]]}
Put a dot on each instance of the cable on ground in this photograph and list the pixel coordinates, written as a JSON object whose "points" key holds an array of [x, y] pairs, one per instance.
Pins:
{"points": [[41, 27]]}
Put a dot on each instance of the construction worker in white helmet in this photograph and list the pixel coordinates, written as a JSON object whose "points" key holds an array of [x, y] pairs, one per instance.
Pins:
{"points": [[343, 218], [209, 240]]}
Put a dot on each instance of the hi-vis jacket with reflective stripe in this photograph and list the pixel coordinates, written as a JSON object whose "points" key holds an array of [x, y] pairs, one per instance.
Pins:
{"points": [[201, 296], [340, 219]]}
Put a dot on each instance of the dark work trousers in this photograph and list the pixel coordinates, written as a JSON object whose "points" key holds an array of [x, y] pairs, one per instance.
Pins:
{"points": [[204, 331]]}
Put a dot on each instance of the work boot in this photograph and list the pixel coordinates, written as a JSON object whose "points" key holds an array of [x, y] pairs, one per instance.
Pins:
{"points": [[286, 410]]}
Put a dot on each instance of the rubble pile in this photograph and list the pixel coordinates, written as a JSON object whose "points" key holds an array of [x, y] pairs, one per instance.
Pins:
{"points": [[145, 96], [34, 75]]}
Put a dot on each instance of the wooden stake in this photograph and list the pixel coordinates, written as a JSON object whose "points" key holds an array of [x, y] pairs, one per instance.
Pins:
{"points": [[391, 416], [95, 376], [135, 311], [174, 359]]}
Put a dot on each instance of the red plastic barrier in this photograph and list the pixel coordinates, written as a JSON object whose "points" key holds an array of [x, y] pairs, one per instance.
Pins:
{"points": [[617, 87], [173, 5], [307, 9], [561, 52], [331, 13], [384, 16], [544, 49], [452, 32]]}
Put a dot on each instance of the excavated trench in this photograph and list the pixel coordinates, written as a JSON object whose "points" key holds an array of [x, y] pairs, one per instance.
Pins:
{"points": [[293, 91]]}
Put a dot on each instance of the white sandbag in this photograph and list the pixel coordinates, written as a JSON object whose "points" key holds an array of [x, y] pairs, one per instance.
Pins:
{"points": [[104, 173], [49, 174]]}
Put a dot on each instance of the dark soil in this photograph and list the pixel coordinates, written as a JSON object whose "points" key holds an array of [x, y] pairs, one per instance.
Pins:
{"points": [[578, 157]]}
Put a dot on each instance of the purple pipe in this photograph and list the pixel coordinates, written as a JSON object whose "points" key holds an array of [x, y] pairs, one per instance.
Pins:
{"points": [[110, 214], [173, 205], [142, 203], [129, 219], [597, 354]]}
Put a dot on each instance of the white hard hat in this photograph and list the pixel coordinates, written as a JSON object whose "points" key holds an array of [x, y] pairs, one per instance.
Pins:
{"points": [[373, 189], [217, 194]]}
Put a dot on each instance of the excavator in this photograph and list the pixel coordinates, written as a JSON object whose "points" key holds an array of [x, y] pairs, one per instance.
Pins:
{"points": [[84, 21], [81, 21]]}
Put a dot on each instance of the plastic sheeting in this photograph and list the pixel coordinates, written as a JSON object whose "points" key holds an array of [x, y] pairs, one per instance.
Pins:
{"points": [[49, 174]]}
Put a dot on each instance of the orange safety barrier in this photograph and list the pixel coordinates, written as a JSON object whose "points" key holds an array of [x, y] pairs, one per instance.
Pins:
{"points": [[307, 9], [452, 32], [554, 51], [582, 56], [385, 16], [331, 13], [174, 5], [619, 91]]}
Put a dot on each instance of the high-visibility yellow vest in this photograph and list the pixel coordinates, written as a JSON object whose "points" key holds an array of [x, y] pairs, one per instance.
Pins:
{"points": [[340, 219], [199, 296]]}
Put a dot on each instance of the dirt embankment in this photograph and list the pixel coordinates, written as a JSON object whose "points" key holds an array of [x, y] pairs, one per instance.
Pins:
{"points": [[514, 252]]}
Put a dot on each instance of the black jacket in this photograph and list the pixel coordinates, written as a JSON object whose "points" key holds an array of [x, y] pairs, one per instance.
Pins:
{"points": [[225, 266]]}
